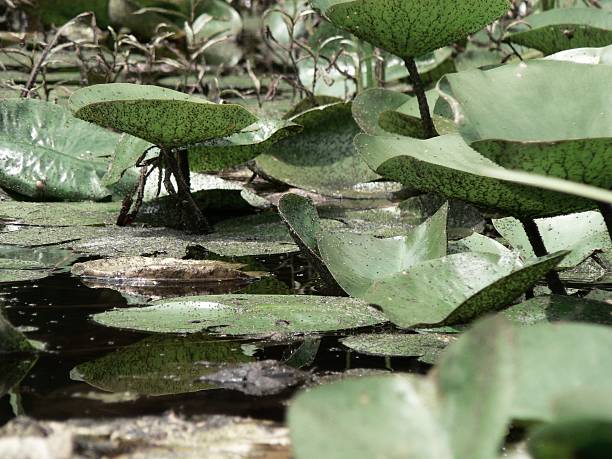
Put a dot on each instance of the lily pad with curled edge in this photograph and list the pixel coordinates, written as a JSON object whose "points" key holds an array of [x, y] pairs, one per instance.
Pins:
{"points": [[563, 28], [411, 28], [221, 153], [322, 157], [582, 233], [158, 115], [160, 365], [246, 315], [539, 129], [447, 165], [455, 289], [46, 153], [358, 261], [602, 56], [427, 347]]}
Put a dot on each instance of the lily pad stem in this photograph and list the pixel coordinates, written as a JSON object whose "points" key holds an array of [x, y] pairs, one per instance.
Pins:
{"points": [[535, 238], [193, 218], [606, 210], [417, 86]]}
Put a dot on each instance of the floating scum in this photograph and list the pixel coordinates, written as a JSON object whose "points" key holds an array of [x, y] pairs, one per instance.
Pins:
{"points": [[167, 119], [411, 28]]}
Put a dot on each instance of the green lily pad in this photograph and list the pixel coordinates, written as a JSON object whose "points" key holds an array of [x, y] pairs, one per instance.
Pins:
{"points": [[246, 315], [358, 261], [582, 234], [321, 158], [427, 347], [128, 151], [563, 28], [455, 289], [161, 116], [447, 165], [557, 308], [13, 369], [567, 138], [381, 416], [368, 106], [59, 213], [49, 154], [593, 56], [160, 365], [411, 28], [222, 153], [12, 340]]}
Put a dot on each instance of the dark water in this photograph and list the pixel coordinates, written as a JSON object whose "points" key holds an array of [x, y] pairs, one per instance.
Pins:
{"points": [[57, 312]]}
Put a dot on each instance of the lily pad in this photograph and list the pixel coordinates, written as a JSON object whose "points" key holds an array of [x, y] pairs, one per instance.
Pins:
{"points": [[447, 165], [160, 365], [321, 158], [591, 56], [455, 289], [567, 138], [411, 28], [59, 213], [12, 340], [161, 116], [427, 347], [559, 29], [368, 106], [222, 153], [358, 261], [48, 154], [582, 234], [246, 315]]}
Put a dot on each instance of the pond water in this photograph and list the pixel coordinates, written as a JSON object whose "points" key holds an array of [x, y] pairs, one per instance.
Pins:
{"points": [[57, 310]]}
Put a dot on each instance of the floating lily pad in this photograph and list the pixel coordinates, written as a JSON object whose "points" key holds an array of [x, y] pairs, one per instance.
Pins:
{"points": [[411, 28], [161, 116], [557, 308], [12, 340], [246, 315], [160, 365], [567, 138], [426, 347], [145, 270], [447, 165], [358, 261], [321, 158], [455, 289], [582, 234], [48, 154], [559, 29], [59, 213], [217, 154]]}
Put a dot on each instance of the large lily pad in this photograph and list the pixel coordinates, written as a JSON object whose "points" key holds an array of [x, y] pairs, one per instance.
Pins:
{"points": [[447, 165], [564, 137], [455, 289], [246, 315], [582, 234], [48, 154], [160, 365], [217, 154], [358, 261], [59, 213], [161, 116], [321, 158], [411, 28], [563, 28]]}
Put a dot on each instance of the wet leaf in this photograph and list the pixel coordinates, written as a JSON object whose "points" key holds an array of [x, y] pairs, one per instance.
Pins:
{"points": [[48, 154], [447, 165], [411, 28], [246, 315], [563, 28], [321, 158], [427, 347], [455, 289], [358, 261], [582, 234], [160, 365], [12, 340], [566, 138], [161, 116]]}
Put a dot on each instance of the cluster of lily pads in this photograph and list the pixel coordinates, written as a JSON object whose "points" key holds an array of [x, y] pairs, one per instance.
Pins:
{"points": [[527, 144]]}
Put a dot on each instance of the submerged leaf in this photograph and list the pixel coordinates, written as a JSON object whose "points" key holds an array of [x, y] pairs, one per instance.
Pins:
{"points": [[246, 315]]}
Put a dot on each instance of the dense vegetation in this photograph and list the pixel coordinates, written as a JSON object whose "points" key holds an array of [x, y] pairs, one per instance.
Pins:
{"points": [[443, 167]]}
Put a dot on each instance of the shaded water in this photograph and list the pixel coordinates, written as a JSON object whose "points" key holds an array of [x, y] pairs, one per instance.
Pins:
{"points": [[57, 312]]}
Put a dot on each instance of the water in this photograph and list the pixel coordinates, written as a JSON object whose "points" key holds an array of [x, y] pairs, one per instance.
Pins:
{"points": [[57, 312]]}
